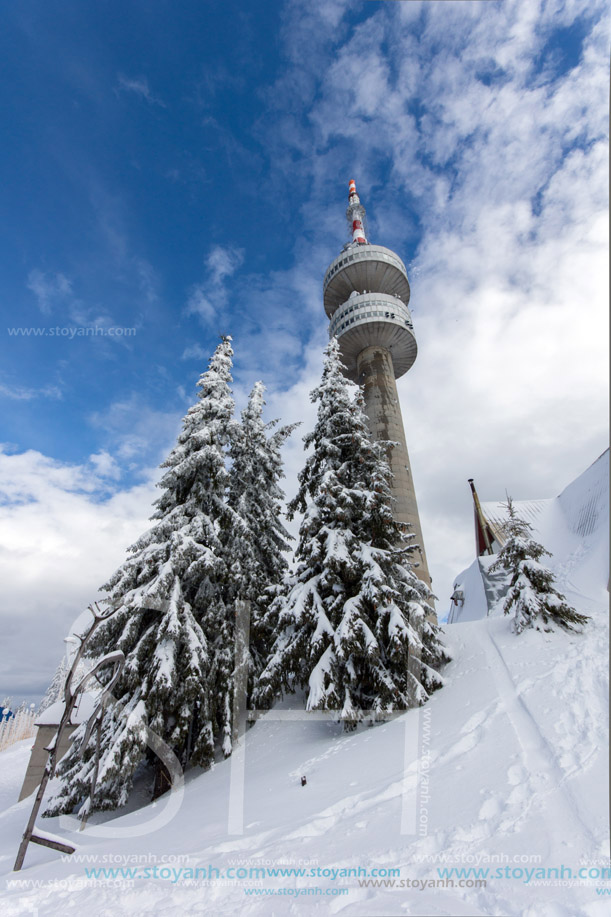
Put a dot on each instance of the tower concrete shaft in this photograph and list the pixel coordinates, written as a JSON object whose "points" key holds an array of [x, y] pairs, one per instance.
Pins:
{"points": [[366, 296], [377, 377]]}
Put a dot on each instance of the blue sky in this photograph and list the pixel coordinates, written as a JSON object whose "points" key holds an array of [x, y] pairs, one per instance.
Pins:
{"points": [[132, 154], [182, 169]]}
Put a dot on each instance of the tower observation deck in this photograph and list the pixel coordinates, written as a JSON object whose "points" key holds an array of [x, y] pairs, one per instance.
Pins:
{"points": [[366, 296]]}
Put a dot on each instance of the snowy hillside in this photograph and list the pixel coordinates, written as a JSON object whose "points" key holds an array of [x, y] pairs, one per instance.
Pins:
{"points": [[504, 770], [574, 527]]}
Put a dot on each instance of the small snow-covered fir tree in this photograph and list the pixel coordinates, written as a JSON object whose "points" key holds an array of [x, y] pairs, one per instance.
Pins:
{"points": [[55, 691], [352, 621], [532, 597], [172, 622], [257, 551]]}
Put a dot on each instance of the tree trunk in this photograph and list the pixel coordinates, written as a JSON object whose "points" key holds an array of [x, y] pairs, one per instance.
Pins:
{"points": [[162, 781]]}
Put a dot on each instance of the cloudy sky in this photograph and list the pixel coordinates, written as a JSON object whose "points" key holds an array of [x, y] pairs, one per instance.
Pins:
{"points": [[181, 170]]}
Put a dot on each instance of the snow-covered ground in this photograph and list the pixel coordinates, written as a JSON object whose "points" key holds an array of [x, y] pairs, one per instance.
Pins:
{"points": [[505, 770]]}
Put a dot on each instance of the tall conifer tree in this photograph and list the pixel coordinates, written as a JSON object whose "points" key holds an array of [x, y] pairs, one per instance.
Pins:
{"points": [[257, 550], [171, 622], [353, 622]]}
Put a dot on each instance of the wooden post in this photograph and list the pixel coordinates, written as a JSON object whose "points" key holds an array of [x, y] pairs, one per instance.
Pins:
{"points": [[117, 659]]}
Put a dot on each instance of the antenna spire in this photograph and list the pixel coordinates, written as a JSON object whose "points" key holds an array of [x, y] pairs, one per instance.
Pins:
{"points": [[355, 215]]}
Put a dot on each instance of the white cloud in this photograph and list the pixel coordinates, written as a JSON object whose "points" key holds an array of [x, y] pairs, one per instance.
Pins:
{"points": [[209, 298], [199, 303], [55, 290], [136, 433], [148, 280], [125, 265], [223, 262], [140, 87], [49, 289], [62, 534], [105, 465], [195, 352], [23, 393]]}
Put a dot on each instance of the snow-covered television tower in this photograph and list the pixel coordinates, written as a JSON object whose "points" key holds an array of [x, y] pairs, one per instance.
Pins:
{"points": [[366, 293]]}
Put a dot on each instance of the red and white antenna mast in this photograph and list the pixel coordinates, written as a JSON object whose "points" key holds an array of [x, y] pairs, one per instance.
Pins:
{"points": [[355, 215]]}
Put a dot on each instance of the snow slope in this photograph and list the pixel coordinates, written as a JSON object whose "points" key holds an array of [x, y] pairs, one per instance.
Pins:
{"points": [[514, 748], [505, 769], [574, 527]]}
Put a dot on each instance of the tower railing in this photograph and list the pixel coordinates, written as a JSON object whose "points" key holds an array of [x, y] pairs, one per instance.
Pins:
{"points": [[369, 307], [353, 260]]}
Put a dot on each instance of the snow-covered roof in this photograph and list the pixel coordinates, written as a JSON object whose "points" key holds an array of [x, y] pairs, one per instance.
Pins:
{"points": [[84, 708], [529, 510], [585, 501]]}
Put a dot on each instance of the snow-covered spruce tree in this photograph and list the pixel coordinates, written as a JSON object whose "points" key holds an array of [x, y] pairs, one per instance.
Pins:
{"points": [[352, 621], [257, 554], [532, 596], [55, 691], [171, 620]]}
